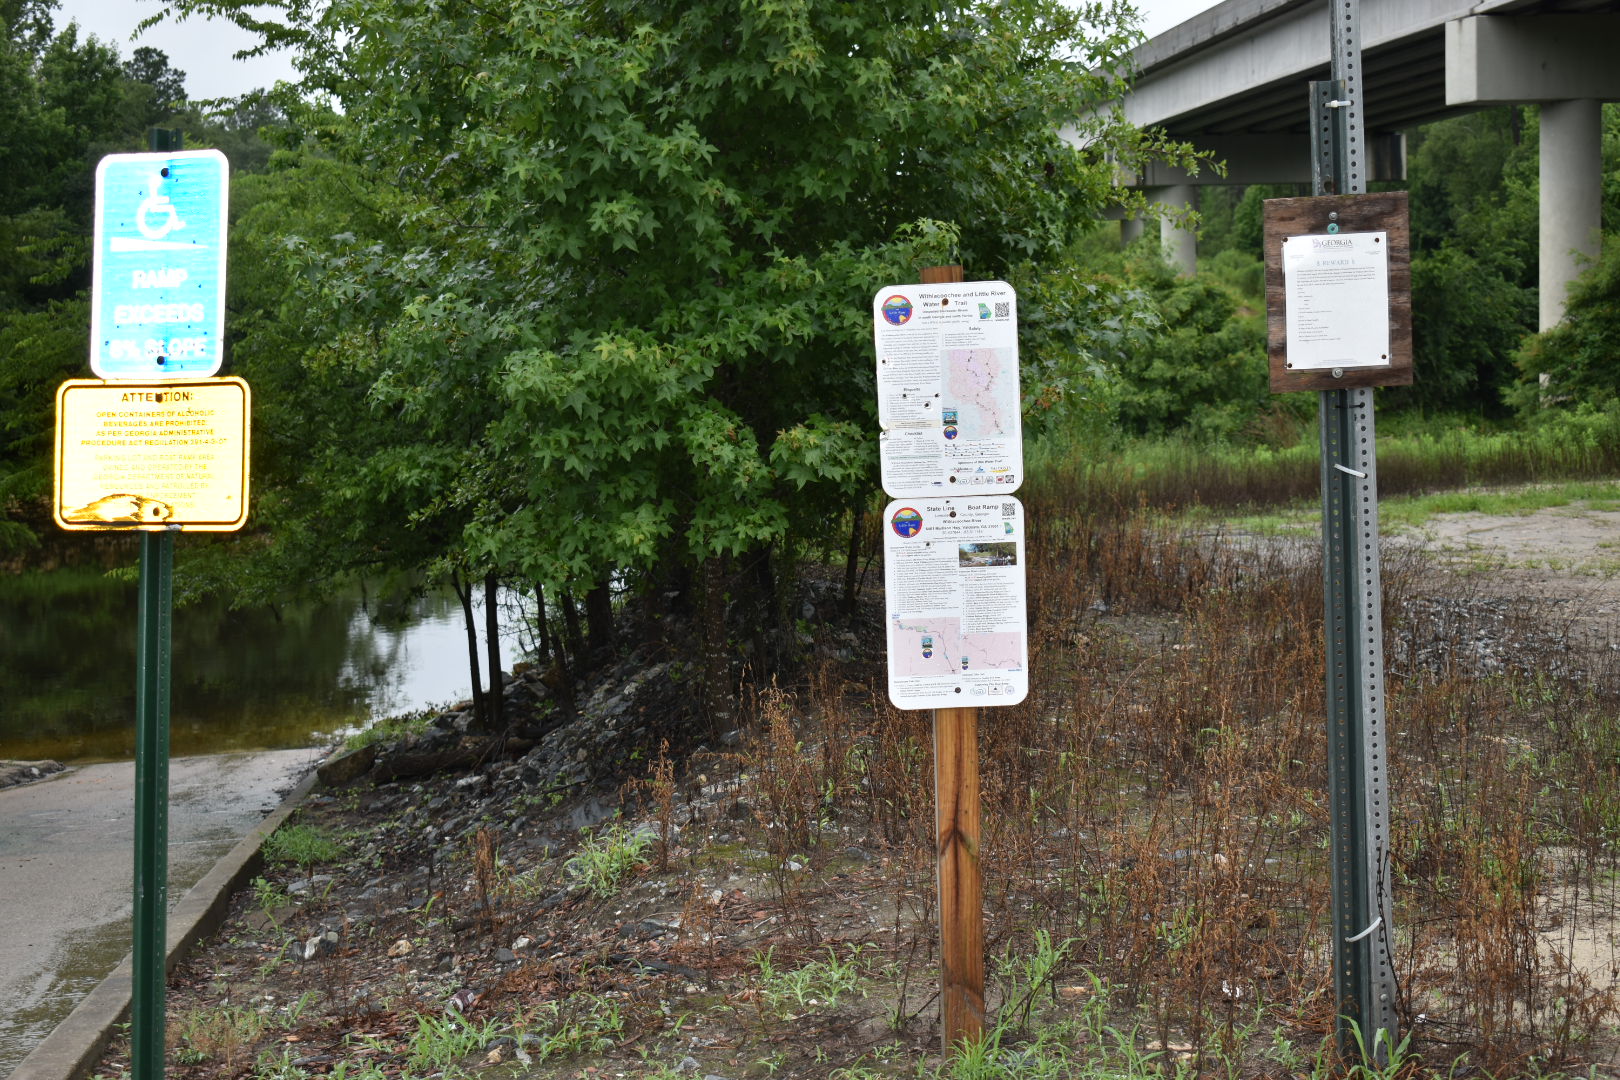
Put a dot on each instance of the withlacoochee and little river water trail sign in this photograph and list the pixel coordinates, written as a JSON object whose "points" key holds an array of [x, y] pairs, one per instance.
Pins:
{"points": [[157, 304]]}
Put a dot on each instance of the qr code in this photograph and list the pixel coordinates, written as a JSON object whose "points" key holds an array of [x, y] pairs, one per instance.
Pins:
{"points": [[1003, 309], [1009, 509]]}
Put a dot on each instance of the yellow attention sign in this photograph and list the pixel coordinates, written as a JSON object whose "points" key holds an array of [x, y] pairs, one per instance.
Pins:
{"points": [[134, 455]]}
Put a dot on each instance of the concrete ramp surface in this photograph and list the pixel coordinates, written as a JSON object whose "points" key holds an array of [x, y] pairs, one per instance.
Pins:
{"points": [[66, 866]]}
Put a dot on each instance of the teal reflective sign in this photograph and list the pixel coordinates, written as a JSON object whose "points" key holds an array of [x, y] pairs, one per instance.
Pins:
{"points": [[157, 305]]}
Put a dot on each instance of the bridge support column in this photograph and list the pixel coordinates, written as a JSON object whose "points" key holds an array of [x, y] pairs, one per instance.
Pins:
{"points": [[1179, 241], [1571, 198], [1130, 230]]}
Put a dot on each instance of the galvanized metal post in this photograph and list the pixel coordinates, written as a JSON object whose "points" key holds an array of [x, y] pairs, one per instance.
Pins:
{"points": [[149, 920], [1363, 969]]}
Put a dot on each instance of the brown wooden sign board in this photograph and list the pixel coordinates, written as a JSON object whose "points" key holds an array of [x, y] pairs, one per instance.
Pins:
{"points": [[1339, 215]]}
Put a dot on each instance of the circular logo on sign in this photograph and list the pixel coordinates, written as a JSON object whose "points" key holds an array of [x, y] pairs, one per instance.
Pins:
{"points": [[950, 432], [906, 522], [897, 309]]}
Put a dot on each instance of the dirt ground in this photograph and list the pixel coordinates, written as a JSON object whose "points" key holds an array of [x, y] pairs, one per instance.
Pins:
{"points": [[713, 959], [1572, 550]]}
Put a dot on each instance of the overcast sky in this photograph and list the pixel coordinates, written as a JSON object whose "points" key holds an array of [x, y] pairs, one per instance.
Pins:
{"points": [[202, 48]]}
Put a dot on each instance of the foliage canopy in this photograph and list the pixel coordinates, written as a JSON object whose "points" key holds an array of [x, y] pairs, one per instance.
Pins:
{"points": [[601, 310]]}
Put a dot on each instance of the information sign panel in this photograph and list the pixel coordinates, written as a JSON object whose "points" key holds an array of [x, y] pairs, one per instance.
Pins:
{"points": [[948, 389], [157, 296], [953, 572], [1337, 289], [152, 455]]}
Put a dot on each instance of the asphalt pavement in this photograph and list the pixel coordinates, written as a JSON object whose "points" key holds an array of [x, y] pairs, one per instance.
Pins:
{"points": [[66, 865]]}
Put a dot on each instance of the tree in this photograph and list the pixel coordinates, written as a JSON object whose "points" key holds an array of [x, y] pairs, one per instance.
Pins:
{"points": [[618, 322], [69, 100], [1578, 356]]}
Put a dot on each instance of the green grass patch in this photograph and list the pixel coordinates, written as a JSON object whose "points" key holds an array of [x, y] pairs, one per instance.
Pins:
{"points": [[1446, 454], [603, 861], [390, 729], [302, 845], [1413, 511]]}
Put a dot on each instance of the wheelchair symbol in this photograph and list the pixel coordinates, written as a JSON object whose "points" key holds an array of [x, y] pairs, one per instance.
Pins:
{"points": [[157, 204]]}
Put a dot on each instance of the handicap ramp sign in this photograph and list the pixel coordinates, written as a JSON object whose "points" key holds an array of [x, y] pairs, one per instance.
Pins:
{"points": [[157, 307]]}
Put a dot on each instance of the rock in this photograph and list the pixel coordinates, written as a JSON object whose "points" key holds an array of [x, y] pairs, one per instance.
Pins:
{"points": [[653, 831], [322, 944], [13, 773], [402, 947], [591, 812], [505, 956], [347, 767], [304, 885], [523, 943], [688, 1064]]}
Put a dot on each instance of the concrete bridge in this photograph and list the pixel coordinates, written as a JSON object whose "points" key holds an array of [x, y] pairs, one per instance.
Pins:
{"points": [[1233, 81]]}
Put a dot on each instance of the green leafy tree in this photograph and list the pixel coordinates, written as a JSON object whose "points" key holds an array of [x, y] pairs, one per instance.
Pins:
{"points": [[69, 100], [1474, 257], [614, 323], [1580, 357], [1203, 369]]}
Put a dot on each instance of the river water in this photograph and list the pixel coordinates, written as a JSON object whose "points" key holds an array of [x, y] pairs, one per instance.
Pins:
{"points": [[260, 679]]}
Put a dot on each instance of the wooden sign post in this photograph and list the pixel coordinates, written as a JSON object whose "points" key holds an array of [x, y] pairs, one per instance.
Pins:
{"points": [[958, 878], [951, 454]]}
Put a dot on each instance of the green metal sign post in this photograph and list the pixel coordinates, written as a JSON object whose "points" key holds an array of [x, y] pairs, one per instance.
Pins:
{"points": [[151, 895], [151, 803], [1358, 755]]}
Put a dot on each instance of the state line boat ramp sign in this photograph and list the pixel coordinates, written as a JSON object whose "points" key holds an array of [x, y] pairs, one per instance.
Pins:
{"points": [[952, 453], [157, 295], [953, 575], [135, 455], [948, 391]]}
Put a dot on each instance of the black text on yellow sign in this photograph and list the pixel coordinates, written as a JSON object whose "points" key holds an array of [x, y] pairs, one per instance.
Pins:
{"points": [[134, 455]]}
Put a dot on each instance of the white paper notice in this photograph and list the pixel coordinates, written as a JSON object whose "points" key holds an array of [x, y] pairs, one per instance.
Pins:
{"points": [[1336, 289], [948, 389], [953, 572]]}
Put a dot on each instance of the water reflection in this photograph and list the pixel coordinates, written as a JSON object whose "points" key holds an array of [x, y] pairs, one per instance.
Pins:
{"points": [[242, 680]]}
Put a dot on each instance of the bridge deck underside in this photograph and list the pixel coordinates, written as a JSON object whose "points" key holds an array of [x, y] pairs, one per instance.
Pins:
{"points": [[1404, 82]]}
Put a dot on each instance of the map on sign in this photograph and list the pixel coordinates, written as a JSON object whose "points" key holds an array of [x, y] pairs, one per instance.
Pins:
{"points": [[954, 585], [926, 647], [982, 385], [948, 389], [157, 454], [157, 295]]}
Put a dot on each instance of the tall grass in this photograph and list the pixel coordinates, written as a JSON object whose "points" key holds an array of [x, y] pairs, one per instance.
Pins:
{"points": [[1159, 802], [1177, 475]]}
